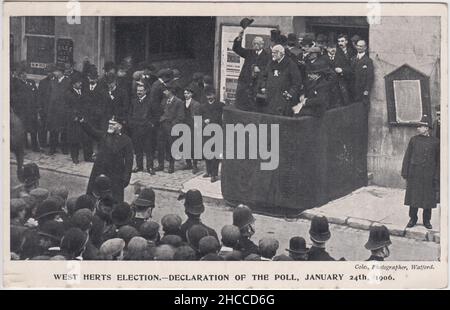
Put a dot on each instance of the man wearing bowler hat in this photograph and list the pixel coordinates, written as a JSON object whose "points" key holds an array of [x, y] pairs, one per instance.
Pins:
{"points": [[114, 158], [172, 114], [76, 109], [297, 249], [256, 59], [378, 243], [319, 234], [143, 117], [143, 205], [194, 207], [420, 169], [57, 109]]}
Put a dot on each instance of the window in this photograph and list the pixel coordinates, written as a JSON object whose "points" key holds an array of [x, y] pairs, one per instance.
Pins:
{"points": [[40, 42], [153, 38]]}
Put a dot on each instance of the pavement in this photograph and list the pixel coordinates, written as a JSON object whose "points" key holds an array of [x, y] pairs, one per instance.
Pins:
{"points": [[359, 210]]}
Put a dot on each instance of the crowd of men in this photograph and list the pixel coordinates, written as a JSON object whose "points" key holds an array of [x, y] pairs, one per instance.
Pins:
{"points": [[71, 111], [303, 77], [52, 225]]}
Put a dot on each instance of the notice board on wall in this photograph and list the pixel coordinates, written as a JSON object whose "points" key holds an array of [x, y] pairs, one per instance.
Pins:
{"points": [[64, 51]]}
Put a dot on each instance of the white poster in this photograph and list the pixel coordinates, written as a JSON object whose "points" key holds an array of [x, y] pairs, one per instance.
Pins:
{"points": [[230, 62]]}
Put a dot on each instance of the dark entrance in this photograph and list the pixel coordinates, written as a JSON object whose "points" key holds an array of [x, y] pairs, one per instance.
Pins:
{"points": [[332, 26], [155, 39]]}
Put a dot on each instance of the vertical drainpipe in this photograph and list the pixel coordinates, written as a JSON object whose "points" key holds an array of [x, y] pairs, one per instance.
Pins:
{"points": [[99, 41]]}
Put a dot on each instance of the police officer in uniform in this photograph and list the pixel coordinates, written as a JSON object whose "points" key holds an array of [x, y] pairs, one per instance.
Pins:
{"points": [[378, 243], [244, 219], [420, 169], [319, 234], [114, 158], [194, 207]]}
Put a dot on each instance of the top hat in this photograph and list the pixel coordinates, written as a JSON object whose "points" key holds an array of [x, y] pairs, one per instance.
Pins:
{"points": [[76, 77], [379, 237], [292, 38], [245, 22], [193, 202], [109, 65], [319, 231], [297, 245], [274, 35]]}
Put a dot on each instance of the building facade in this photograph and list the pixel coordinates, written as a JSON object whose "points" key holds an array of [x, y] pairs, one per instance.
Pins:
{"points": [[193, 44]]}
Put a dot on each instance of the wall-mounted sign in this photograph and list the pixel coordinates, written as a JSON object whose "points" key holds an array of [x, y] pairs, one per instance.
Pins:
{"points": [[230, 62], [64, 51], [40, 53], [407, 96]]}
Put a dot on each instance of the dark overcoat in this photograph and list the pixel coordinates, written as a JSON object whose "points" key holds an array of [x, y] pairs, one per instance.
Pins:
{"points": [[248, 80], [362, 70], [318, 97], [277, 78], [114, 159], [75, 134], [319, 254], [57, 107], [95, 102], [420, 169], [24, 101], [44, 96]]}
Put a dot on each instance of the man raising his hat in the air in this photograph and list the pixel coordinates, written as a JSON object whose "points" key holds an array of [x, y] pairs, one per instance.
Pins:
{"points": [[114, 157], [255, 62]]}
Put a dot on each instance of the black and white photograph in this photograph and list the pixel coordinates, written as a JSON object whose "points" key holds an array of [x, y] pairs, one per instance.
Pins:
{"points": [[148, 137]]}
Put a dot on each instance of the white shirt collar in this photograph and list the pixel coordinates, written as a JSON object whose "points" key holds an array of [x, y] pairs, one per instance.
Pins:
{"points": [[259, 52], [361, 55]]}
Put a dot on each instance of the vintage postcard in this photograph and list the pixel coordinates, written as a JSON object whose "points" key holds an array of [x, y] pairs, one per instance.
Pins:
{"points": [[225, 145]]}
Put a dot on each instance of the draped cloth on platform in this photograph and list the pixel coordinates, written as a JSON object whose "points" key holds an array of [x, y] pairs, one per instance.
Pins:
{"points": [[319, 160]]}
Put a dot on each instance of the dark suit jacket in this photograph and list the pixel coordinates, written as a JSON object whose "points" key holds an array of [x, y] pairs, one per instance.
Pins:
{"points": [[248, 81], [95, 105], [74, 110], [143, 115], [172, 112], [157, 92], [362, 77], [117, 102], [340, 61], [251, 58], [194, 109]]}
